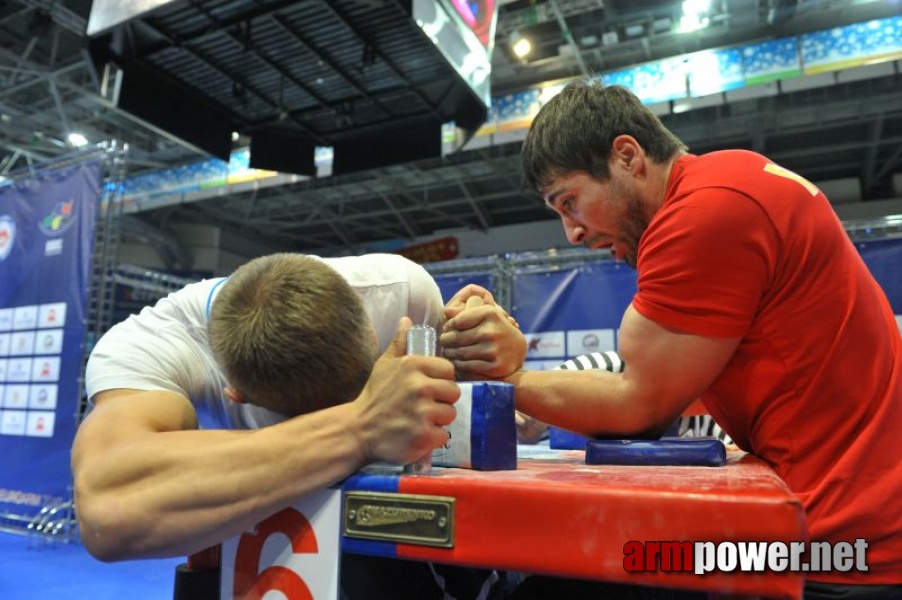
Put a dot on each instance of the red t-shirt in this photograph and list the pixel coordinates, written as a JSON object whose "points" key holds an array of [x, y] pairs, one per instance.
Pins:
{"points": [[744, 248]]}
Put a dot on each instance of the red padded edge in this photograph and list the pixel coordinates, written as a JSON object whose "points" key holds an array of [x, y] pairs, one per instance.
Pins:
{"points": [[563, 517]]}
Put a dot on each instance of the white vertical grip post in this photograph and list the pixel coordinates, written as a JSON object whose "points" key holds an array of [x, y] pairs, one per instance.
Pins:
{"points": [[421, 342]]}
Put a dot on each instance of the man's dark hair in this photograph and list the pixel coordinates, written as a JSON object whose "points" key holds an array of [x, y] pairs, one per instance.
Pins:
{"points": [[574, 132]]}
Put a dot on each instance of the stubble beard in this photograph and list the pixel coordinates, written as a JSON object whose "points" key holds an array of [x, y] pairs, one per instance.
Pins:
{"points": [[633, 225]]}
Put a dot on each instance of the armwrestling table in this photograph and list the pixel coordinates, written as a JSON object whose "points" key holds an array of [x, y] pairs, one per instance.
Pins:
{"points": [[556, 515]]}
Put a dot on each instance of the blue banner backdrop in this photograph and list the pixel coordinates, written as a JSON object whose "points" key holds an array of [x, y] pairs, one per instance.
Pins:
{"points": [[884, 259], [46, 239], [572, 311]]}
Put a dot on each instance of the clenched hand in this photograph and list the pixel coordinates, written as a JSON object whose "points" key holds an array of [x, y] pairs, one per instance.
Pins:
{"points": [[405, 403], [479, 337]]}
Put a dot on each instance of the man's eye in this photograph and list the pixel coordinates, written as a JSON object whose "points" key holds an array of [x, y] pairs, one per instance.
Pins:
{"points": [[567, 205]]}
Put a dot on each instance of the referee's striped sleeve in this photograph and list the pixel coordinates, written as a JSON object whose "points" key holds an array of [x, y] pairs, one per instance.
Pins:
{"points": [[607, 361]]}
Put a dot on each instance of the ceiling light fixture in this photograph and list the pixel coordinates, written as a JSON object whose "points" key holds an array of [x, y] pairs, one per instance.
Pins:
{"points": [[694, 15], [77, 140], [696, 7], [519, 44], [690, 23]]}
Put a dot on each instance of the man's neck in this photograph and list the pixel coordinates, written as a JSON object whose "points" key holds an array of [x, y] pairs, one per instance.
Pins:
{"points": [[660, 179]]}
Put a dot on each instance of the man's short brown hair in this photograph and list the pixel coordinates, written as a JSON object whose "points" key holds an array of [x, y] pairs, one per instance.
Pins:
{"points": [[575, 131], [291, 335]]}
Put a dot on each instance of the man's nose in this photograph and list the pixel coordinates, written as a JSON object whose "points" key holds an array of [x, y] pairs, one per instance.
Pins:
{"points": [[575, 232]]}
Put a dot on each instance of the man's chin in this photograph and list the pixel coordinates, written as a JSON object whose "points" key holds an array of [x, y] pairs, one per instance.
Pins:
{"points": [[629, 259]]}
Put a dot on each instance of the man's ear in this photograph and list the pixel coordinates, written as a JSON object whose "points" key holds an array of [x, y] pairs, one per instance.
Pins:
{"points": [[627, 151], [234, 395]]}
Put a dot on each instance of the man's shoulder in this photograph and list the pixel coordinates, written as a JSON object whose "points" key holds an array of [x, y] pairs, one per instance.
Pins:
{"points": [[193, 297], [375, 269], [378, 258], [722, 167], [186, 308], [726, 180]]}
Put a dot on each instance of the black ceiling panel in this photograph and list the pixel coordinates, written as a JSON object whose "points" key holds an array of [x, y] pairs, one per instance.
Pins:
{"points": [[326, 69]]}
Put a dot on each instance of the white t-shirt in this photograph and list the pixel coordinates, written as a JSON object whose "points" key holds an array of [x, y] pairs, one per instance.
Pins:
{"points": [[165, 346]]}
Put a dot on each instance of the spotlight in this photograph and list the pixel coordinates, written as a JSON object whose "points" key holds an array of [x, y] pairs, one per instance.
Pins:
{"points": [[696, 7], [695, 15], [77, 140], [519, 44]]}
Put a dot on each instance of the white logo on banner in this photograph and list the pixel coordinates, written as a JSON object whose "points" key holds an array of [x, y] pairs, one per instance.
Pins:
{"points": [[45, 368], [16, 396], [40, 423], [25, 317], [52, 315], [545, 344], [7, 236], [293, 554], [42, 396], [585, 341], [53, 247], [49, 342], [18, 369], [12, 422], [21, 343]]}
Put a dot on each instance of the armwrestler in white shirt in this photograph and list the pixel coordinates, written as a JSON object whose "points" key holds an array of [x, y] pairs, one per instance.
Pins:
{"points": [[231, 399]]}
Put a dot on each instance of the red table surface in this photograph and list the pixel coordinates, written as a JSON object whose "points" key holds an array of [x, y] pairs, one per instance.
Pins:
{"points": [[560, 516]]}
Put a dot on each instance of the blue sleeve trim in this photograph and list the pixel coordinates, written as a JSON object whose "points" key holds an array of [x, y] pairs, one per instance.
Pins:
{"points": [[213, 293]]}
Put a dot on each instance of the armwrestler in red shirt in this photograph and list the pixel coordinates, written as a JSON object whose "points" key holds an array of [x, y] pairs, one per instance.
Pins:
{"points": [[750, 296]]}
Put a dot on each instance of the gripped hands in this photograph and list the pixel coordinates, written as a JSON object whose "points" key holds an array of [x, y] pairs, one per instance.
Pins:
{"points": [[405, 403], [479, 337]]}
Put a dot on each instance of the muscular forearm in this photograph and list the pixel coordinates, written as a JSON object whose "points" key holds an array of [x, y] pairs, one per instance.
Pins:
{"points": [[594, 403], [149, 484], [177, 492]]}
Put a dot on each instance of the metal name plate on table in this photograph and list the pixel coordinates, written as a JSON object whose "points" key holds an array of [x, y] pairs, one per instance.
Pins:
{"points": [[406, 518]]}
